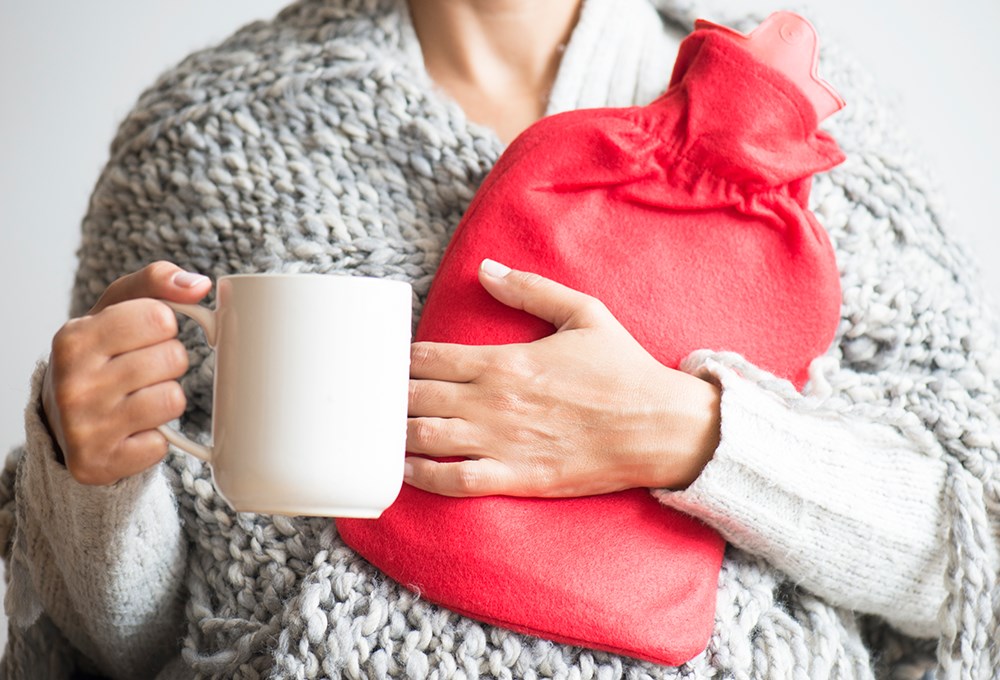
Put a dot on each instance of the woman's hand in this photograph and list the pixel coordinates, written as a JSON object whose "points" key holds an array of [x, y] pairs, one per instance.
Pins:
{"points": [[584, 411], [111, 379]]}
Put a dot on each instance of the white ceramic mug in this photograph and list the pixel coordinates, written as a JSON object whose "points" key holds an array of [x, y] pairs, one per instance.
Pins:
{"points": [[310, 403]]}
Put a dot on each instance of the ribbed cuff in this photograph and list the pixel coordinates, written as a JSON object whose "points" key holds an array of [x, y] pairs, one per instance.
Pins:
{"points": [[848, 508], [105, 563]]}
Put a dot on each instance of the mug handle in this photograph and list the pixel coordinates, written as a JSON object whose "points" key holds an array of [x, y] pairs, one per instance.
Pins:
{"points": [[205, 318]]}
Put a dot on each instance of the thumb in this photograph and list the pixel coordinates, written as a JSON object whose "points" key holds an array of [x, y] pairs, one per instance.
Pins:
{"points": [[160, 280], [560, 305]]}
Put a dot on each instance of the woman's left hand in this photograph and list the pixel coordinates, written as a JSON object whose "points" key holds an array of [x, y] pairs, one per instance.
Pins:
{"points": [[584, 411]]}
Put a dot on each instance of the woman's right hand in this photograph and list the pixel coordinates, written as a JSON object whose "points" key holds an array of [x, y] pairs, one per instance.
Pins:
{"points": [[112, 375]]}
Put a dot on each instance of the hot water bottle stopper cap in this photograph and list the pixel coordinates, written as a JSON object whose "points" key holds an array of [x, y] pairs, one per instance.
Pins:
{"points": [[788, 42]]}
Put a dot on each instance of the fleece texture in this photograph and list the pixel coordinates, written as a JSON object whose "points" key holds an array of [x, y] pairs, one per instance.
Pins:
{"points": [[709, 185]]}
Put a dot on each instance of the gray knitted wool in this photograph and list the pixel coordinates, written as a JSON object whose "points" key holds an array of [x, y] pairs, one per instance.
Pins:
{"points": [[315, 143]]}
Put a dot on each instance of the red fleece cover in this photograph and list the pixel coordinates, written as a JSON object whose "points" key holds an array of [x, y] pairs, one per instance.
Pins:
{"points": [[688, 218]]}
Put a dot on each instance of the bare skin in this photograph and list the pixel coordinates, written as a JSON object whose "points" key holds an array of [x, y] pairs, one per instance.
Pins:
{"points": [[112, 375], [497, 58], [584, 411]]}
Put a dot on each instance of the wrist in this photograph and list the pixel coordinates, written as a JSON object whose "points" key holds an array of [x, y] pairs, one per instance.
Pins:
{"points": [[688, 430]]}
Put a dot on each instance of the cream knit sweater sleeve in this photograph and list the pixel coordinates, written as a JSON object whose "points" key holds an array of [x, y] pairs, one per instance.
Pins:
{"points": [[849, 508], [104, 564]]}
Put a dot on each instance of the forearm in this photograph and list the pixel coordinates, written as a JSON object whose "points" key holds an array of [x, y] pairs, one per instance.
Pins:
{"points": [[849, 509], [106, 564]]}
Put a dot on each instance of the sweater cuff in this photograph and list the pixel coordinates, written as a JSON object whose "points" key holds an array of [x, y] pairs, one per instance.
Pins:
{"points": [[850, 509], [49, 485], [87, 555]]}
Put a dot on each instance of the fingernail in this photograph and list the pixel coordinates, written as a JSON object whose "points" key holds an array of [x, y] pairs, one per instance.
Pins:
{"points": [[407, 470], [494, 269], [188, 279]]}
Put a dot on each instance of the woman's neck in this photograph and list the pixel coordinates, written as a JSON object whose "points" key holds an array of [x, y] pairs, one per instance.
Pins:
{"points": [[497, 58]]}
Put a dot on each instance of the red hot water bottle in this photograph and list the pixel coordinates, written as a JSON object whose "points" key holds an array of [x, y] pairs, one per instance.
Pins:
{"points": [[688, 219]]}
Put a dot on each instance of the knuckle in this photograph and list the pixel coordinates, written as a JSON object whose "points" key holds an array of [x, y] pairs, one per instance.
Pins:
{"points": [[418, 393], [70, 341], [160, 318], [421, 354], [517, 367], [155, 450], [426, 432], [531, 280], [157, 274], [176, 357], [70, 395], [160, 448], [547, 478], [468, 481], [138, 284], [173, 400], [593, 307]]}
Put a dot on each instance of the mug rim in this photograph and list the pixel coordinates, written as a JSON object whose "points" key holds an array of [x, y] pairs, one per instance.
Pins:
{"points": [[315, 276]]}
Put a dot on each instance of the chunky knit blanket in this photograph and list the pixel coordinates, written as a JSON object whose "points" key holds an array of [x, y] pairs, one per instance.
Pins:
{"points": [[863, 517]]}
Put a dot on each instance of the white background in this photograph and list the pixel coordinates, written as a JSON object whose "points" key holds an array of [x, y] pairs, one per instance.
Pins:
{"points": [[69, 72]]}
